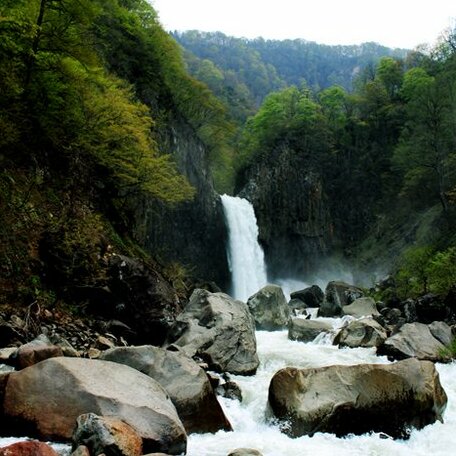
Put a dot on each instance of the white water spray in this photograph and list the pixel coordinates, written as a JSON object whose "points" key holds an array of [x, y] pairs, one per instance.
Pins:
{"points": [[245, 255], [253, 428]]}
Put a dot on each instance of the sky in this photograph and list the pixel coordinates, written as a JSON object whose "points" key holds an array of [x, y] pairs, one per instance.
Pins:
{"points": [[393, 23]]}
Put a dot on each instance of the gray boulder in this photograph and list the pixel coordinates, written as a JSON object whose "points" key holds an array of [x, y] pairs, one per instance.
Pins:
{"points": [[442, 332], [106, 435], [230, 390], [297, 307], [361, 333], [269, 308], [218, 329], [413, 340], [46, 399], [358, 399], [306, 330], [184, 380], [361, 307], [311, 296], [338, 295]]}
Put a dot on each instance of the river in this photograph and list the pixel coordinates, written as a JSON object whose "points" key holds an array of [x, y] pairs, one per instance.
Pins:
{"points": [[253, 428]]}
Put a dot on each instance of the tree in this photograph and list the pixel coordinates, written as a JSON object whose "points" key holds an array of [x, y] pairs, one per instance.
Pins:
{"points": [[389, 72], [426, 150]]}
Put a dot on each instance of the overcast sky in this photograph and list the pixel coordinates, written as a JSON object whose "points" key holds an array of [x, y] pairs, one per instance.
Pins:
{"points": [[394, 23]]}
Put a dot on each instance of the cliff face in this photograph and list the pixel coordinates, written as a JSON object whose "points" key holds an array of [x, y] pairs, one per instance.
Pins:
{"points": [[293, 217], [192, 233]]}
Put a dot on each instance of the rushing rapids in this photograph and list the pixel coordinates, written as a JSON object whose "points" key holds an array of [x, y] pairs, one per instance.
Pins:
{"points": [[253, 427], [251, 419]]}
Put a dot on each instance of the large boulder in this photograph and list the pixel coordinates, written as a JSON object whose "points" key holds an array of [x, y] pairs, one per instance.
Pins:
{"points": [[361, 333], [311, 296], [413, 340], [46, 399], [343, 400], [184, 380], [106, 435], [442, 332], [269, 308], [338, 295], [361, 307], [218, 329], [306, 330]]}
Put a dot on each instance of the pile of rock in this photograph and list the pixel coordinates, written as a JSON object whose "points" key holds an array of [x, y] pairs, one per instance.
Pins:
{"points": [[130, 401], [161, 394]]}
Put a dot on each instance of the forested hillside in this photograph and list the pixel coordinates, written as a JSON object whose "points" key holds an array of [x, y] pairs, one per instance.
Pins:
{"points": [[242, 72], [108, 144], [376, 166], [97, 118]]}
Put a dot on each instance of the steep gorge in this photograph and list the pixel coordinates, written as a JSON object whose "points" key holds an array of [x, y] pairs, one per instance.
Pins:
{"points": [[292, 210], [192, 233]]}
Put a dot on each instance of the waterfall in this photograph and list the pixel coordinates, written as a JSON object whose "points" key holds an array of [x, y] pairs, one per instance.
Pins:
{"points": [[245, 255]]}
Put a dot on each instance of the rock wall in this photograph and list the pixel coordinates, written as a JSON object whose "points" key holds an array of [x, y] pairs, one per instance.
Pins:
{"points": [[292, 212], [192, 233]]}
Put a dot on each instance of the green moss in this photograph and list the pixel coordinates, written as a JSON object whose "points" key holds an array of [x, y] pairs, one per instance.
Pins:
{"points": [[450, 351]]}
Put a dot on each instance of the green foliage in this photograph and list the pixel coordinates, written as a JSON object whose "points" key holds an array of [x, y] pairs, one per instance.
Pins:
{"points": [[78, 151], [116, 132], [137, 49], [442, 270], [426, 151], [413, 274], [390, 73], [263, 66], [449, 352], [288, 115], [68, 101], [392, 139], [423, 269]]}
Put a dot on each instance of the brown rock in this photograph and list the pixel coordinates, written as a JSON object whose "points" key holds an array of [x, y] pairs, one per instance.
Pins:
{"points": [[35, 351], [93, 353], [81, 450], [103, 343], [29, 448], [306, 330], [46, 399], [342, 400], [107, 435], [361, 333]]}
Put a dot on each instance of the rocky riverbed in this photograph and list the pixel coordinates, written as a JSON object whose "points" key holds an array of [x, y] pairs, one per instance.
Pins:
{"points": [[82, 382]]}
